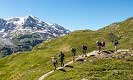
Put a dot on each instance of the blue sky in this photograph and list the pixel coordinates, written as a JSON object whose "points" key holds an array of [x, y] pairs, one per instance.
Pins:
{"points": [[72, 14]]}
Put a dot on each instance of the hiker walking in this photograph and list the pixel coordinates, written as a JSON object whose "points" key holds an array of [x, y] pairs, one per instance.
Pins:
{"points": [[54, 61], [73, 51], [103, 45], [61, 57], [84, 49], [115, 43], [99, 45]]}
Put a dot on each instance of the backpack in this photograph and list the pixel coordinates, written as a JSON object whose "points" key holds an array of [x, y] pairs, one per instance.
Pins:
{"points": [[61, 55], [73, 50], [98, 43], [54, 61], [115, 42], [84, 47], [103, 43]]}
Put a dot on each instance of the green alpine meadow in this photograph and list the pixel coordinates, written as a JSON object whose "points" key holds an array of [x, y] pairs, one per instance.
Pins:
{"points": [[66, 39], [31, 65]]}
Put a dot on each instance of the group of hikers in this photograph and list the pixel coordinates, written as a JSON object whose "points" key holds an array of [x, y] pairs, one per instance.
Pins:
{"points": [[99, 44]]}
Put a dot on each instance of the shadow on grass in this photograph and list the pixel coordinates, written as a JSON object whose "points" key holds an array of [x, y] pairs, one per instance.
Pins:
{"points": [[69, 66], [63, 70]]}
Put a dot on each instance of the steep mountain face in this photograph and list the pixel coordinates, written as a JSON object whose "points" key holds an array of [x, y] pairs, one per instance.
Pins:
{"points": [[5, 41], [23, 33], [30, 24]]}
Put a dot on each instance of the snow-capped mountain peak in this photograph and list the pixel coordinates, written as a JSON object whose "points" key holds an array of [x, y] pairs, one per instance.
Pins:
{"points": [[29, 24], [22, 20], [16, 20]]}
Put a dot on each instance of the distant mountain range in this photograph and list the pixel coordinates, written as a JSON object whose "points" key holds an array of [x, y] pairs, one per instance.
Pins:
{"points": [[27, 32], [13, 27]]}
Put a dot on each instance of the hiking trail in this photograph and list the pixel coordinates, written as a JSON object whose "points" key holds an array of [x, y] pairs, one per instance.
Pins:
{"points": [[93, 53]]}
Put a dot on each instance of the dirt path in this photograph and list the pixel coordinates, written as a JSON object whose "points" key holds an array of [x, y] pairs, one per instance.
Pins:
{"points": [[89, 54], [47, 74]]}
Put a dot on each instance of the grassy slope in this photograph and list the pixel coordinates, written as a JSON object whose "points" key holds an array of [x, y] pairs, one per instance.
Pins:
{"points": [[31, 65], [102, 69]]}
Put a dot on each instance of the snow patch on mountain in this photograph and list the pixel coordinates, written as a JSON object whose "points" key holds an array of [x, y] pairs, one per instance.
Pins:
{"points": [[27, 25]]}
